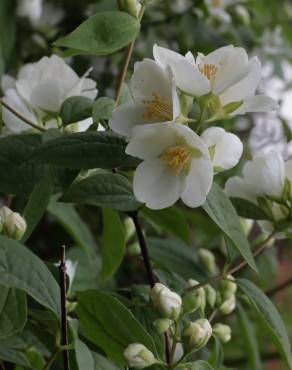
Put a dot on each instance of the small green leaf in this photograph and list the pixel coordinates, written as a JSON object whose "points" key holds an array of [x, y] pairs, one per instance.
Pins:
{"points": [[103, 190], [13, 311], [103, 108], [85, 150], [102, 34], [221, 211], [231, 107], [113, 243], [270, 318], [248, 209], [76, 109], [171, 220]]}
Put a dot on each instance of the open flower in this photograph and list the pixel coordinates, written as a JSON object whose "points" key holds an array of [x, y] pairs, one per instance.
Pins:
{"points": [[31, 9], [154, 99], [176, 164], [217, 8], [226, 73]]}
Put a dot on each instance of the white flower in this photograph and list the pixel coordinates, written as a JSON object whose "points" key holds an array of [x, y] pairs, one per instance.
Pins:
{"points": [[138, 356], [217, 8], [176, 164], [167, 302], [223, 332], [225, 148], [31, 9], [198, 333], [227, 73], [154, 99]]}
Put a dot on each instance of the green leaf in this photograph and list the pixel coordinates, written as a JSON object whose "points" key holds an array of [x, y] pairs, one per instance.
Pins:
{"points": [[270, 318], [250, 343], [198, 365], [18, 175], [171, 220], [102, 363], [38, 202], [23, 270], [76, 109], [102, 34], [67, 216], [221, 211], [13, 311], [113, 243], [247, 209], [217, 355], [103, 190], [103, 108], [7, 32], [109, 324], [85, 150], [13, 355], [177, 257]]}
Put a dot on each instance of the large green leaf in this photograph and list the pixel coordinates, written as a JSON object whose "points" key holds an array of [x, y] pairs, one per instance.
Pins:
{"points": [[23, 270], [171, 220], [102, 363], [13, 311], [38, 202], [113, 243], [85, 150], [67, 216], [247, 209], [75, 109], [109, 324], [103, 190], [177, 257], [17, 174], [102, 34], [7, 31], [220, 209], [250, 343], [270, 317]]}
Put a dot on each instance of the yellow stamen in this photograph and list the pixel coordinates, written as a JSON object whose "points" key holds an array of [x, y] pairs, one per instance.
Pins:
{"points": [[210, 71], [177, 158], [159, 108]]}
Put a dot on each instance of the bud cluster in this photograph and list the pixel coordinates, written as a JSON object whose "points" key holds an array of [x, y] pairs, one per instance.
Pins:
{"points": [[12, 224]]}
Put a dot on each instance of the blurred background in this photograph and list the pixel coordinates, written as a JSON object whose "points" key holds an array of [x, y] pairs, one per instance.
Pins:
{"points": [[263, 27]]}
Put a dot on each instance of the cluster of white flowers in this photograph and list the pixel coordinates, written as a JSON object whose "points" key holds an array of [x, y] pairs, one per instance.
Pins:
{"points": [[177, 162], [39, 91]]}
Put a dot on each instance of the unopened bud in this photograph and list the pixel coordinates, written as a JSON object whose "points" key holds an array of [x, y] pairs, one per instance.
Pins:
{"points": [[210, 295], [129, 228], [195, 299], [208, 260], [243, 14], [228, 306], [197, 333], [134, 249], [138, 356], [223, 332], [13, 225], [168, 303], [227, 287], [162, 325], [132, 7]]}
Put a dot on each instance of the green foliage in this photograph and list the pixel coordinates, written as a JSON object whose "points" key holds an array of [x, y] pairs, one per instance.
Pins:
{"points": [[75, 109], [103, 108], [247, 209]]}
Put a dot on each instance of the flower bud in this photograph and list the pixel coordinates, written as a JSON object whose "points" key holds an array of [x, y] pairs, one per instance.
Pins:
{"points": [[210, 295], [198, 333], [138, 356], [14, 226], [227, 288], [134, 249], [195, 299], [223, 332], [132, 7], [208, 260], [162, 325], [166, 302], [228, 306]]}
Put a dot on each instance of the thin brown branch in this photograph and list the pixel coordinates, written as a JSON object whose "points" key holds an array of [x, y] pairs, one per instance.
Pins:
{"points": [[279, 288], [51, 360]]}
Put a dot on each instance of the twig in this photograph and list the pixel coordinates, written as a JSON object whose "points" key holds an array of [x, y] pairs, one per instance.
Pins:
{"points": [[21, 117], [64, 324], [279, 288], [51, 359], [2, 365]]}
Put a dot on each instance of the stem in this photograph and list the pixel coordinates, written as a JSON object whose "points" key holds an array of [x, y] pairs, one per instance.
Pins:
{"points": [[52, 359], [234, 269], [2, 365], [279, 288], [64, 324], [20, 116]]}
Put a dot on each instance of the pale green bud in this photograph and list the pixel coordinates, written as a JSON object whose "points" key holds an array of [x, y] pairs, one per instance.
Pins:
{"points": [[223, 332], [134, 249], [243, 14], [228, 306], [194, 299], [168, 303], [132, 7], [197, 333], [210, 295], [208, 260], [14, 226], [138, 356], [227, 287], [129, 227], [162, 325]]}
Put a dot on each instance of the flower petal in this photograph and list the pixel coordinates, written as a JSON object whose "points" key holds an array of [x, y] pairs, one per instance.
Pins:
{"points": [[236, 187], [257, 103], [165, 57]]}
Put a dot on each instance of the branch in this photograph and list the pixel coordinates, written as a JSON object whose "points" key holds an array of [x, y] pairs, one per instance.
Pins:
{"points": [[51, 360], [64, 324], [20, 116], [279, 288]]}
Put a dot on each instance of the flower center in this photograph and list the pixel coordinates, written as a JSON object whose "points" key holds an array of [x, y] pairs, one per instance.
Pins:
{"points": [[159, 108], [210, 71], [177, 158]]}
